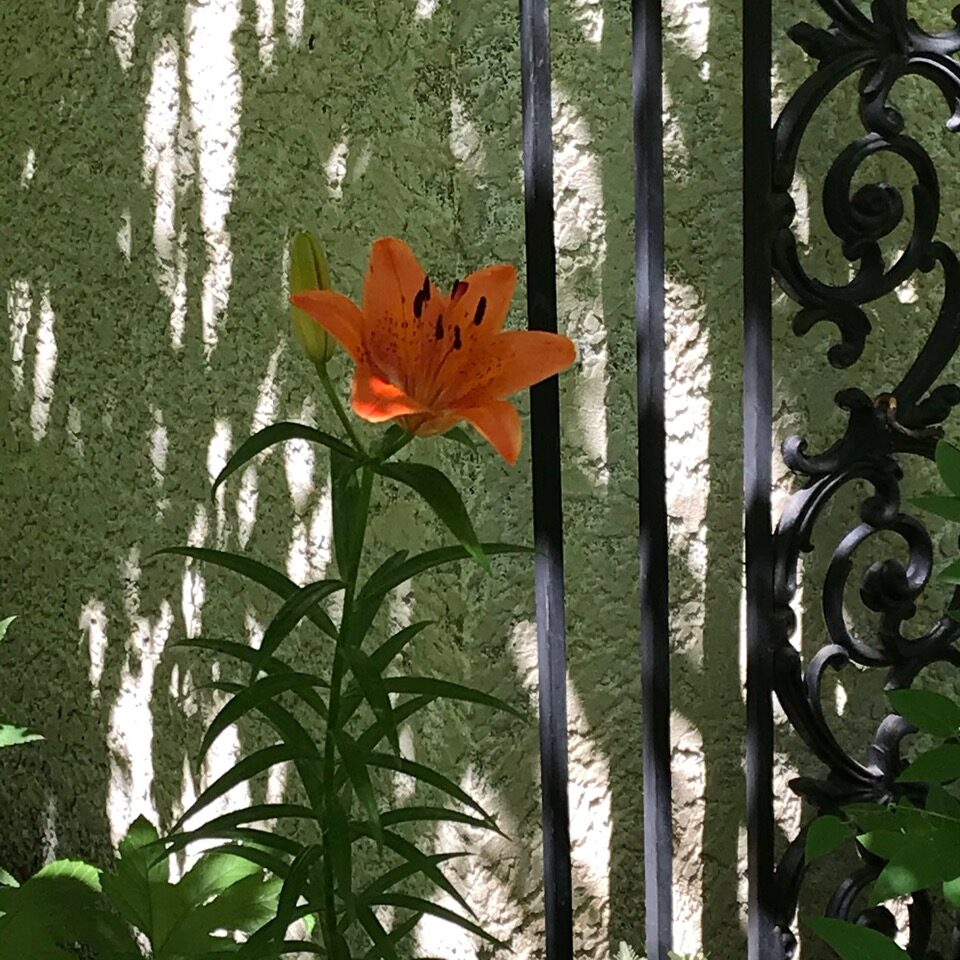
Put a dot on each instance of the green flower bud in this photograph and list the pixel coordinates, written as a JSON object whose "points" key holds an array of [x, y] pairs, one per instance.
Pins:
{"points": [[309, 271]]}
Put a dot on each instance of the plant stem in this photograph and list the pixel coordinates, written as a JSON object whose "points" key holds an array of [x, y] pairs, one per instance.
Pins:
{"points": [[330, 391], [330, 932]]}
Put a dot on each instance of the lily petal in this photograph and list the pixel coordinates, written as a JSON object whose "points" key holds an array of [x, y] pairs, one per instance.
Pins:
{"points": [[376, 400], [511, 362], [402, 312], [498, 423], [337, 314]]}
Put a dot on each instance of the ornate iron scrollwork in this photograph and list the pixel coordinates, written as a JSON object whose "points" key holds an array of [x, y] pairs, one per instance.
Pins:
{"points": [[882, 430]]}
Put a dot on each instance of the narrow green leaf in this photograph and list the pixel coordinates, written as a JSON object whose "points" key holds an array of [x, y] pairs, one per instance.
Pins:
{"points": [[420, 772], [274, 434], [396, 935], [928, 711], [294, 609], [445, 689], [403, 872], [824, 835], [13, 736], [5, 625], [443, 498], [246, 769], [276, 950], [374, 690], [250, 698], [376, 932], [260, 573], [938, 765], [347, 526], [946, 507], [412, 854], [460, 436], [390, 649], [439, 814], [853, 942], [407, 902], [293, 734], [376, 587], [7, 879], [948, 464], [296, 884], [340, 851], [355, 763]]}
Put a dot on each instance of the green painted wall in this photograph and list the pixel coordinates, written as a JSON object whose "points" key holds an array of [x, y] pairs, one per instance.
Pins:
{"points": [[157, 157]]}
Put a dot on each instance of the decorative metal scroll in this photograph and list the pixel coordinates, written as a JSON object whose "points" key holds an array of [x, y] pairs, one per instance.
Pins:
{"points": [[878, 48]]}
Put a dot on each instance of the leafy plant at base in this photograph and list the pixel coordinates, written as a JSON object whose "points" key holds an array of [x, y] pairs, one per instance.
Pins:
{"points": [[626, 952], [70, 904]]}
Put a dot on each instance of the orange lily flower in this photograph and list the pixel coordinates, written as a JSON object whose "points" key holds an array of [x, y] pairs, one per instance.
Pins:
{"points": [[430, 361]]}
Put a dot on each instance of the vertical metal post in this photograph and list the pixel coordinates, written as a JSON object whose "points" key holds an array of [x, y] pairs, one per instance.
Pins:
{"points": [[757, 476], [547, 494], [654, 543]]}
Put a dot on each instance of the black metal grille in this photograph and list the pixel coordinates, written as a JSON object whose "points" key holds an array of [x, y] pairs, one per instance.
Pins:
{"points": [[887, 428]]}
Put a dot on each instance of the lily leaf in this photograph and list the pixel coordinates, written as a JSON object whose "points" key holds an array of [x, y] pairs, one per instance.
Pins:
{"points": [[274, 434], [443, 498]]}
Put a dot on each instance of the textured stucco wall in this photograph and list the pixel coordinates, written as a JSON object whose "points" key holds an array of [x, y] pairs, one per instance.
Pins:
{"points": [[153, 170]]}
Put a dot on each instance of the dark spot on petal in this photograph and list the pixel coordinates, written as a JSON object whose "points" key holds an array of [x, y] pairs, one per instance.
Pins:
{"points": [[457, 342], [481, 311], [459, 289], [425, 290], [418, 301], [439, 330]]}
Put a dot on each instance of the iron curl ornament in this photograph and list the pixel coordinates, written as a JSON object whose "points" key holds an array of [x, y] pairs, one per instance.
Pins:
{"points": [[884, 430]]}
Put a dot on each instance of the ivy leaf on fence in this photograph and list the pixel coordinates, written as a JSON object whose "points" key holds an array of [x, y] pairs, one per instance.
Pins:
{"points": [[948, 465], [854, 942], [927, 711], [824, 835]]}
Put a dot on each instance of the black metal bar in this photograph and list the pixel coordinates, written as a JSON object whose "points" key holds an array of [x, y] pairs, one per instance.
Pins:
{"points": [[757, 479], [547, 493], [654, 543]]}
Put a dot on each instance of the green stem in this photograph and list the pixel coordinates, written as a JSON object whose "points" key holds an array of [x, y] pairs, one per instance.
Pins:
{"points": [[330, 391], [395, 448], [330, 932]]}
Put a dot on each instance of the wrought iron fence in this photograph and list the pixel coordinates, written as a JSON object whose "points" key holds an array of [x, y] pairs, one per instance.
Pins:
{"points": [[887, 428]]}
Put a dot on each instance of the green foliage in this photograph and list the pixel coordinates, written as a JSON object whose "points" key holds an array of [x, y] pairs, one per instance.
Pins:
{"points": [[10, 734], [340, 729], [920, 844], [626, 952], [69, 905]]}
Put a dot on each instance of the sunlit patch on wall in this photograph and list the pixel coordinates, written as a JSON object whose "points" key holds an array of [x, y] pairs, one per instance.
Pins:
{"points": [[159, 447], [688, 777], [121, 28], [690, 21], [130, 729], [465, 141], [125, 234], [336, 169], [218, 453], [193, 589], [75, 429], [588, 15], [265, 32], [214, 89], [425, 9], [167, 169], [29, 168], [19, 310], [581, 256], [49, 839], [93, 622], [294, 21], [44, 368], [299, 463]]}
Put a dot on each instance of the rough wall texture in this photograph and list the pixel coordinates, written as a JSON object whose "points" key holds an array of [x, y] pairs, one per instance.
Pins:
{"points": [[157, 158]]}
